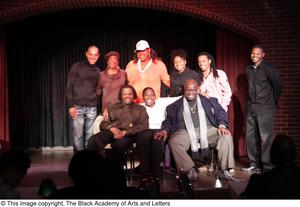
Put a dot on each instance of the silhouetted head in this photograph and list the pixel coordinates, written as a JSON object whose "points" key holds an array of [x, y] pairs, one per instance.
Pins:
{"points": [[13, 167], [96, 177], [283, 151], [84, 167]]}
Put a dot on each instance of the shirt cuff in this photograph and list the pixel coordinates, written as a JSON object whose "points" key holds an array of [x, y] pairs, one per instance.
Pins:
{"points": [[222, 126]]}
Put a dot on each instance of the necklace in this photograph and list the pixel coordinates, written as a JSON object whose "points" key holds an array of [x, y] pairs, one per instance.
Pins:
{"points": [[193, 108], [145, 68]]}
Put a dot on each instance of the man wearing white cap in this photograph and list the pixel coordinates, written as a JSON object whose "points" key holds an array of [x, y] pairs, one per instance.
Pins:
{"points": [[146, 70]]}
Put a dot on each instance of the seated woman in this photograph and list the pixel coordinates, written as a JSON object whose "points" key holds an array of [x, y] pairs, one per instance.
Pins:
{"points": [[125, 125]]}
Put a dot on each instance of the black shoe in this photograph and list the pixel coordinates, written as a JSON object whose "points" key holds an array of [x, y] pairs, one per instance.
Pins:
{"points": [[136, 170]]}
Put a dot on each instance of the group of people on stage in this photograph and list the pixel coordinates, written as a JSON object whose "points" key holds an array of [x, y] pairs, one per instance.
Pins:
{"points": [[194, 116]]}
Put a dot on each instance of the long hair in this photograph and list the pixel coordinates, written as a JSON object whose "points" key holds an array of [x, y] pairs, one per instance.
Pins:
{"points": [[153, 55], [212, 65]]}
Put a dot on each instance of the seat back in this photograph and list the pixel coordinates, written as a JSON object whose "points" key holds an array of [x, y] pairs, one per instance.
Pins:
{"points": [[96, 124]]}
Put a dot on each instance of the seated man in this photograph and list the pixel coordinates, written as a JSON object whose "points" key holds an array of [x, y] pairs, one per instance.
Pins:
{"points": [[192, 119], [125, 125], [156, 109]]}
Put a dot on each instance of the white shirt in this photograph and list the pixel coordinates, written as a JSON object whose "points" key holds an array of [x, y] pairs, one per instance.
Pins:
{"points": [[157, 113], [218, 88]]}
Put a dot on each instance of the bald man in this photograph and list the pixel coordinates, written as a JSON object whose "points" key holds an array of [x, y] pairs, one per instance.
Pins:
{"points": [[197, 122], [82, 98]]}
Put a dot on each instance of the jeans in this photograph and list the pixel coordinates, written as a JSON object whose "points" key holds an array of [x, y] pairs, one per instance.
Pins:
{"points": [[83, 126]]}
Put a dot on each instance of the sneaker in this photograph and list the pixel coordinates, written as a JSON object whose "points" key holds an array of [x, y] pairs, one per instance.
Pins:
{"points": [[227, 175], [231, 170], [192, 174], [203, 168], [250, 169]]}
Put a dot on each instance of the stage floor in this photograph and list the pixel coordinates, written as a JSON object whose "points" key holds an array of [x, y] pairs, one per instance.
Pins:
{"points": [[53, 164]]}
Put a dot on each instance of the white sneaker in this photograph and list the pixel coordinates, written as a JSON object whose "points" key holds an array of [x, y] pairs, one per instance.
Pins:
{"points": [[227, 175], [251, 168]]}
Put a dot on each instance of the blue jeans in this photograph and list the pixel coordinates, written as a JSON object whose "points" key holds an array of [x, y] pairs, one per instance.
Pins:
{"points": [[83, 126]]}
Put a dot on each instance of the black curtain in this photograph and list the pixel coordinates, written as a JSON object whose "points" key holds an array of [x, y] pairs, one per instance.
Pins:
{"points": [[41, 50]]}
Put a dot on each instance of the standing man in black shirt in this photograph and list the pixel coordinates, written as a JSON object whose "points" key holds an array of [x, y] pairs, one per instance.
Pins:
{"points": [[264, 90], [82, 98]]}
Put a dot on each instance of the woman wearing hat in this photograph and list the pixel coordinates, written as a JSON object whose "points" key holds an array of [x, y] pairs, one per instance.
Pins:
{"points": [[146, 70], [110, 81]]}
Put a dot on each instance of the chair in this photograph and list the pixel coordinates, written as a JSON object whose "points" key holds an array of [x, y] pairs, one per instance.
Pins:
{"points": [[96, 124]]}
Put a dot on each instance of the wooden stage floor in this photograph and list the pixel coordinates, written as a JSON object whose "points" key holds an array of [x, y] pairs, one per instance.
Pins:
{"points": [[53, 164]]}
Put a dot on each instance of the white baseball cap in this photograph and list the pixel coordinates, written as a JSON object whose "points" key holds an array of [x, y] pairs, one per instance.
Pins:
{"points": [[141, 45]]}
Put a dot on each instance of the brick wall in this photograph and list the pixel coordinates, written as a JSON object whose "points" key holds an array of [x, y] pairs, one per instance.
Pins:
{"points": [[273, 23]]}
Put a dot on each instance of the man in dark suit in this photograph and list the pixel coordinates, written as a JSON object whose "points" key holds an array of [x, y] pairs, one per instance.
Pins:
{"points": [[197, 122]]}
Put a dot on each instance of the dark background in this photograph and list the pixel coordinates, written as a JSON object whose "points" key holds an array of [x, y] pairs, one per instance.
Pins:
{"points": [[42, 49]]}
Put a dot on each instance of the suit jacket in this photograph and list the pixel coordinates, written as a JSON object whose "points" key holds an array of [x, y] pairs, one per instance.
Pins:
{"points": [[213, 110]]}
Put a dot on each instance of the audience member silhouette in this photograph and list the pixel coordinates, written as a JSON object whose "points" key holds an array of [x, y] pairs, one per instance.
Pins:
{"points": [[13, 168], [283, 181], [93, 178]]}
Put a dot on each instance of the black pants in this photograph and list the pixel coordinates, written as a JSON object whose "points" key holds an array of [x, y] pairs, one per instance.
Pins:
{"points": [[150, 152], [145, 147], [119, 146], [259, 139]]}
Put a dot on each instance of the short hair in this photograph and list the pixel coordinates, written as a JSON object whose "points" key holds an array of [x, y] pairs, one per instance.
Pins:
{"points": [[112, 53], [14, 159], [259, 47], [92, 46], [148, 88], [178, 52], [283, 150], [190, 80], [127, 86]]}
